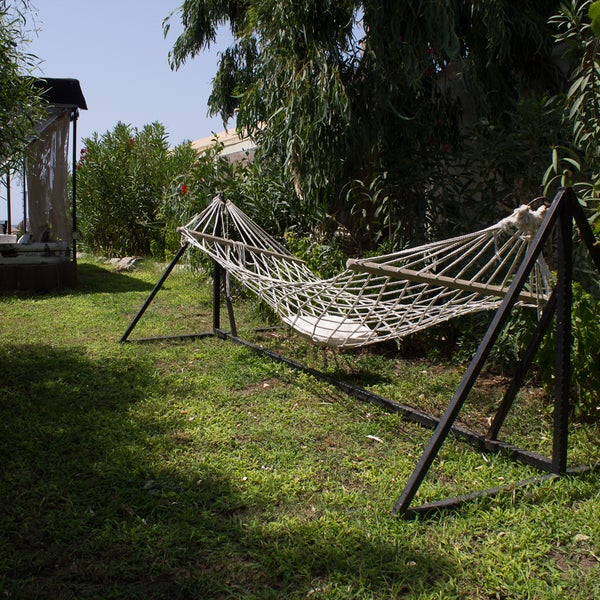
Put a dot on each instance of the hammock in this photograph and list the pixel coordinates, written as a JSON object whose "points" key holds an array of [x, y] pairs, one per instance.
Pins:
{"points": [[377, 298]]}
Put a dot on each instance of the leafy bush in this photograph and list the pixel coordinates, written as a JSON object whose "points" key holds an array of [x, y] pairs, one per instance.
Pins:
{"points": [[121, 179], [256, 187], [577, 162], [585, 351], [585, 356]]}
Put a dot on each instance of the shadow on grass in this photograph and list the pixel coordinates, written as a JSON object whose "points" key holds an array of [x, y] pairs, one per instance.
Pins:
{"points": [[97, 279], [361, 377], [95, 505], [91, 279]]}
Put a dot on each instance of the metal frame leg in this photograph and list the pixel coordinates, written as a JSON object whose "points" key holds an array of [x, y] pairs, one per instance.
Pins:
{"points": [[562, 358], [155, 291], [562, 211]]}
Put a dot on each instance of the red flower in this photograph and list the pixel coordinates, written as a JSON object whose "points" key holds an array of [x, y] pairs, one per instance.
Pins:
{"points": [[183, 190], [131, 142]]}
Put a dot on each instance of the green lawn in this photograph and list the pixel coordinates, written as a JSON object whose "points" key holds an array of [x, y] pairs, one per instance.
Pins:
{"points": [[197, 469]]}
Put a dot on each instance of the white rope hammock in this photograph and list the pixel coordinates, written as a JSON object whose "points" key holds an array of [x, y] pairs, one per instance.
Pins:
{"points": [[376, 298]]}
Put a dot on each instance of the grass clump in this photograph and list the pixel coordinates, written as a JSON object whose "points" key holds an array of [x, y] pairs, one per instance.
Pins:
{"points": [[197, 469]]}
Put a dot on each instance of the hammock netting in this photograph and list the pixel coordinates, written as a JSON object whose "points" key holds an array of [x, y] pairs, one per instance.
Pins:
{"points": [[376, 298]]}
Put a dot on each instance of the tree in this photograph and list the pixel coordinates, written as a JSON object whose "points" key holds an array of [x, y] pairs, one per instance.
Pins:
{"points": [[20, 103], [577, 163], [358, 98]]}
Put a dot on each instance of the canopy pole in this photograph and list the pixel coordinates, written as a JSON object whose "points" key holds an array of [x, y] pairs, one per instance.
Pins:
{"points": [[8, 203], [74, 235]]}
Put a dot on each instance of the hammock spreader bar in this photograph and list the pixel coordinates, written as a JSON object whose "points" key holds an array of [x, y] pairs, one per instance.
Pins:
{"points": [[447, 282], [253, 249]]}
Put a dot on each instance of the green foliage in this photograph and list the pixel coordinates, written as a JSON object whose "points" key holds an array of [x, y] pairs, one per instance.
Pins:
{"points": [[134, 191], [21, 105], [341, 92], [496, 169], [186, 194], [121, 178], [594, 15], [325, 258], [254, 186], [585, 356], [577, 162], [373, 213]]}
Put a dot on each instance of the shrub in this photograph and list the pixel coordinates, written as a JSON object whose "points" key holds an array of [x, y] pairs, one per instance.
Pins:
{"points": [[21, 103], [585, 356], [121, 180], [257, 188]]}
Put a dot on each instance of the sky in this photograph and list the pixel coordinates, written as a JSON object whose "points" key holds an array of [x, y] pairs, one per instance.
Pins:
{"points": [[118, 52]]}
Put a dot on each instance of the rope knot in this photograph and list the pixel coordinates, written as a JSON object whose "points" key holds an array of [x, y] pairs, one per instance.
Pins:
{"points": [[525, 220]]}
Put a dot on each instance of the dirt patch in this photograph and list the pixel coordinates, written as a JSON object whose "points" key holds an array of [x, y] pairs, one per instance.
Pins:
{"points": [[262, 386], [582, 559]]}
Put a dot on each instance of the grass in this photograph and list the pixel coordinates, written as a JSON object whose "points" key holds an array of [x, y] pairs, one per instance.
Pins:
{"points": [[198, 469]]}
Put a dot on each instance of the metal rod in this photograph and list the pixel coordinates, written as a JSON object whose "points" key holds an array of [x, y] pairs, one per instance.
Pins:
{"points": [[182, 336], [217, 280], [229, 302], [412, 414], [456, 501], [415, 415], [217, 275], [24, 195], [562, 349], [8, 202], [154, 291], [585, 231]]}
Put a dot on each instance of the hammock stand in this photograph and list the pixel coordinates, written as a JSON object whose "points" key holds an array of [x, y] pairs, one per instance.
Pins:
{"points": [[559, 216]]}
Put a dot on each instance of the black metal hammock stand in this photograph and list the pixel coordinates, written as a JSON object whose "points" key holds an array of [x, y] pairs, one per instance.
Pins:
{"points": [[559, 217]]}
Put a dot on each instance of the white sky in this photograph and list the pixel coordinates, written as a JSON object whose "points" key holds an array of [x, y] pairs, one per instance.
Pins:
{"points": [[117, 51]]}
